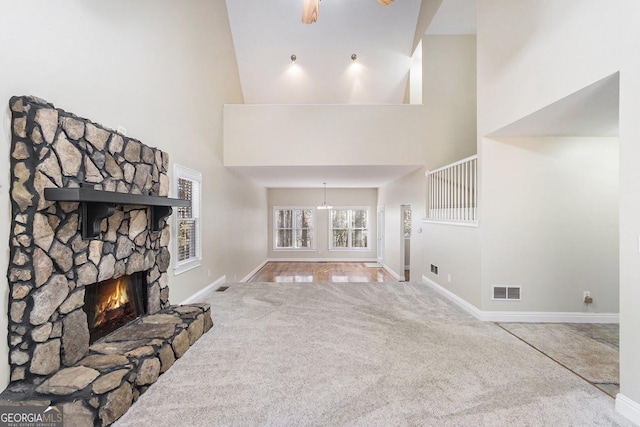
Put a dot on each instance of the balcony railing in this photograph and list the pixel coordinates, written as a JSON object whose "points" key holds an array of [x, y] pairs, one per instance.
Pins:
{"points": [[453, 192]]}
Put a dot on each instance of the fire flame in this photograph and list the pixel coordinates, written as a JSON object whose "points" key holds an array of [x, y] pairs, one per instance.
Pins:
{"points": [[116, 297]]}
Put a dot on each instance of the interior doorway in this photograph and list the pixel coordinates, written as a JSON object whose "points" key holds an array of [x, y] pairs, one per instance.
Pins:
{"points": [[380, 235], [405, 240]]}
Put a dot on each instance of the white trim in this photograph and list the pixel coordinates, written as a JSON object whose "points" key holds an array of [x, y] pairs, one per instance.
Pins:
{"points": [[466, 306], [186, 266], [380, 233], [393, 273], [628, 408], [275, 227], [322, 260], [295, 250], [211, 287], [254, 271], [180, 267], [459, 162], [456, 223], [523, 316], [350, 249], [550, 317], [351, 209]]}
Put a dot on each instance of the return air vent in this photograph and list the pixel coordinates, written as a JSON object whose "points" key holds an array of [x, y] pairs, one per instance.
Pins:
{"points": [[504, 293], [434, 269]]}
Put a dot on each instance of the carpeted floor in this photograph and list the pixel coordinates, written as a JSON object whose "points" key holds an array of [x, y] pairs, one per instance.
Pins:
{"points": [[361, 354]]}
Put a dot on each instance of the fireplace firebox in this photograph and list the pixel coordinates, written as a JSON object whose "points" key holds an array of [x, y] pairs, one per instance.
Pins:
{"points": [[113, 303]]}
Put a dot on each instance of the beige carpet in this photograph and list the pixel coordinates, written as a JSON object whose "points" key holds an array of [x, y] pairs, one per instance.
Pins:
{"points": [[361, 354]]}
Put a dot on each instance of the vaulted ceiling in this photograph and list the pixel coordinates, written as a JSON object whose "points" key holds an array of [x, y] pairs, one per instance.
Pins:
{"points": [[267, 32]]}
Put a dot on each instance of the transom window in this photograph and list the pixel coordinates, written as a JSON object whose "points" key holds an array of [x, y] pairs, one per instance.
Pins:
{"points": [[293, 228], [349, 228]]}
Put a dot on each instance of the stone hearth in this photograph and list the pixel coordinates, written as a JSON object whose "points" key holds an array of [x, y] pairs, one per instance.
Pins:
{"points": [[50, 265], [116, 370]]}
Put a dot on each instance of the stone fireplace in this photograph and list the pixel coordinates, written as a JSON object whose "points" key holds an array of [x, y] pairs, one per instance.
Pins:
{"points": [[113, 303], [90, 324]]}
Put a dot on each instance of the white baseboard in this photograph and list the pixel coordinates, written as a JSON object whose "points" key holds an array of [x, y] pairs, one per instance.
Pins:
{"points": [[254, 271], [211, 287], [628, 408], [462, 303], [523, 316], [393, 273], [322, 260], [550, 317]]}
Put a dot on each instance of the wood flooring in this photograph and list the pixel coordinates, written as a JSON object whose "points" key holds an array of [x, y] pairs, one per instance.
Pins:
{"points": [[322, 272]]}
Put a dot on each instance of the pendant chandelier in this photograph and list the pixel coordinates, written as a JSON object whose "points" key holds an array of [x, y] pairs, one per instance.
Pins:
{"points": [[324, 205]]}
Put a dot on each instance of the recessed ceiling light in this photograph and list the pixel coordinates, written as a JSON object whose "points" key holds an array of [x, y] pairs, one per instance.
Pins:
{"points": [[354, 57], [293, 58]]}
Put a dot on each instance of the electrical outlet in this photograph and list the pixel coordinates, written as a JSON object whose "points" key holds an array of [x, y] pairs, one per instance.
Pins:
{"points": [[586, 294], [586, 297], [449, 278]]}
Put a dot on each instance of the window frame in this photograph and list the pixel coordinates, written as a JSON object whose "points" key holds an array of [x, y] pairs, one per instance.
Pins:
{"points": [[314, 217], [349, 246], [179, 267]]}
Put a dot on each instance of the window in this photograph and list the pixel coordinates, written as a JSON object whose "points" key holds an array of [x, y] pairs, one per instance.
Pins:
{"points": [[406, 221], [188, 240], [349, 228], [293, 228]]}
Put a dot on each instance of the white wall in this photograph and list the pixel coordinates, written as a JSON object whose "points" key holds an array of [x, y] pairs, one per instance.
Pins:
{"points": [[415, 76], [534, 52], [294, 135], [550, 223], [408, 190], [449, 98], [336, 197], [160, 68], [455, 250], [440, 131]]}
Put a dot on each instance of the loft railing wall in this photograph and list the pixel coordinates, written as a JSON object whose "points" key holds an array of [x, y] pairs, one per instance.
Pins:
{"points": [[452, 192]]}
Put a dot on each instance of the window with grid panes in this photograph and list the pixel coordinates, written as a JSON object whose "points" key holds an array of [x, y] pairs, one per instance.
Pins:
{"points": [[349, 228], [293, 228], [187, 186]]}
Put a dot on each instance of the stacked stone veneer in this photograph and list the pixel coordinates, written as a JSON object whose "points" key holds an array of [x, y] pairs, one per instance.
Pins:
{"points": [[50, 263], [102, 386]]}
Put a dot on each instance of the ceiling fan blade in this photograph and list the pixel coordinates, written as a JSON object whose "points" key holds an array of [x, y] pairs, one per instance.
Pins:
{"points": [[385, 2], [310, 11]]}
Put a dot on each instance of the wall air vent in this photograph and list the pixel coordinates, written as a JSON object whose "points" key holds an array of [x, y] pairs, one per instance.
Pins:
{"points": [[506, 293], [434, 269]]}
